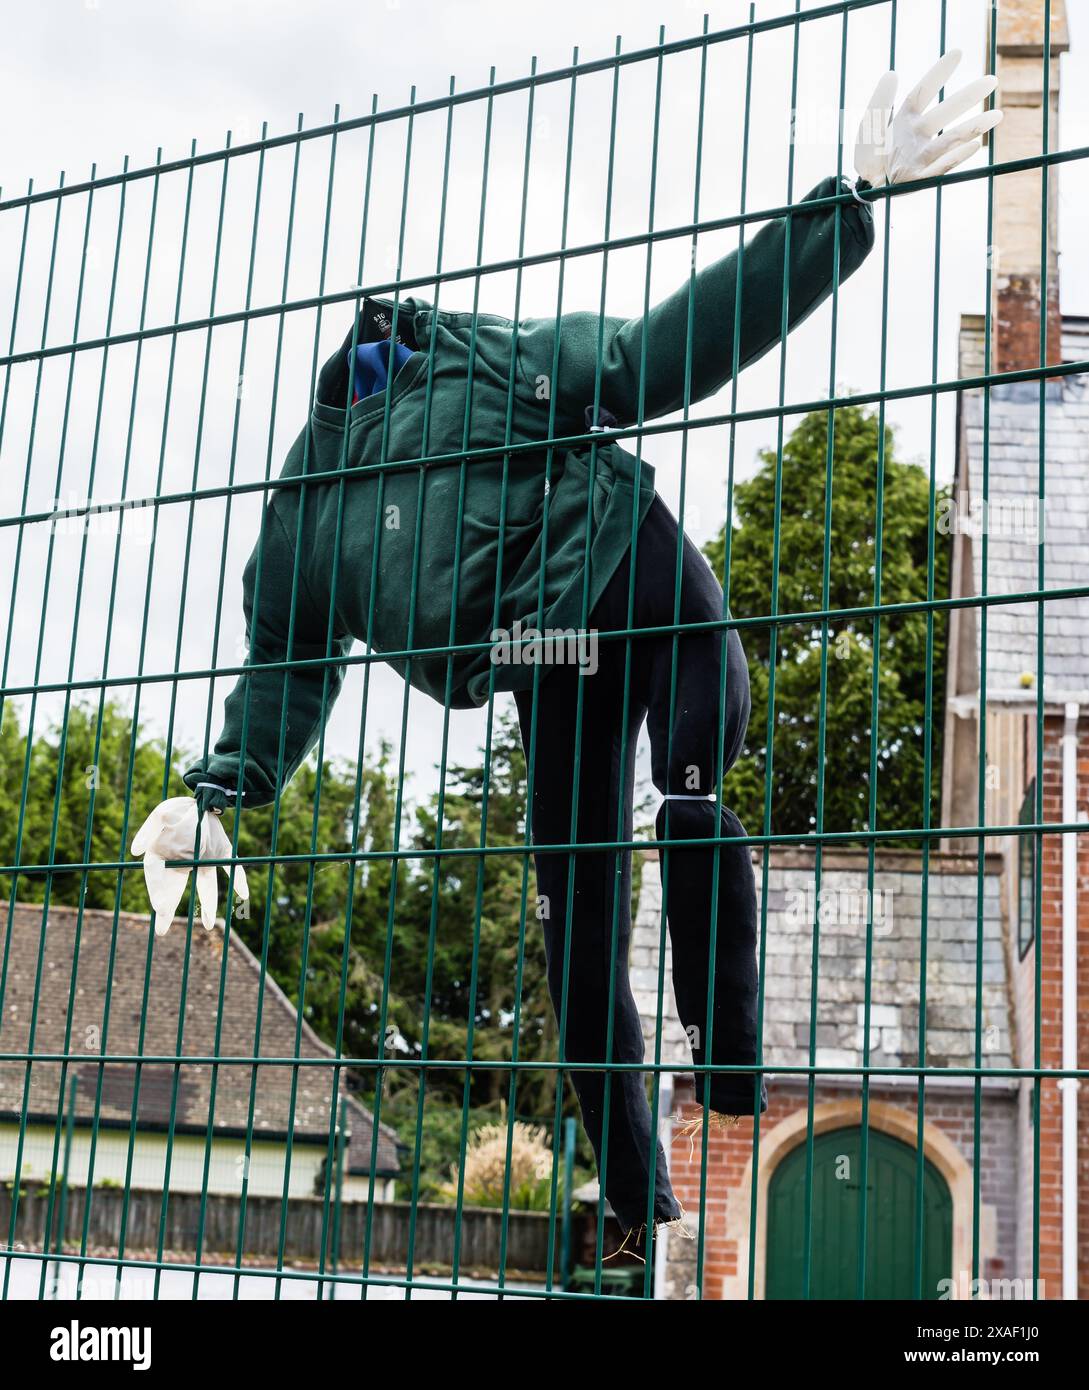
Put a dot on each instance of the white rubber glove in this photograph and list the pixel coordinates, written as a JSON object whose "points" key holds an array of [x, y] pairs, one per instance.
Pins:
{"points": [[170, 832], [908, 146]]}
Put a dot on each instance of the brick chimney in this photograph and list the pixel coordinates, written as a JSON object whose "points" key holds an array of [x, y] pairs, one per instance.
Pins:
{"points": [[1017, 197]]}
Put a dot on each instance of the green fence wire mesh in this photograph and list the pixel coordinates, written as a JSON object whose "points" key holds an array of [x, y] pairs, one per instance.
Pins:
{"points": [[292, 1103]]}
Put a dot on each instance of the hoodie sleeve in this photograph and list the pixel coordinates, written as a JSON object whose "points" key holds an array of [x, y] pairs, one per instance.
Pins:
{"points": [[810, 277], [262, 700]]}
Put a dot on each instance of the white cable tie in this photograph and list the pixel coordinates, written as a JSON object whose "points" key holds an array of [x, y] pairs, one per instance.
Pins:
{"points": [[857, 195]]}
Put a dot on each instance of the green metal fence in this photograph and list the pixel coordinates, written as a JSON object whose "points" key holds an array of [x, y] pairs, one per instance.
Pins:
{"points": [[132, 297]]}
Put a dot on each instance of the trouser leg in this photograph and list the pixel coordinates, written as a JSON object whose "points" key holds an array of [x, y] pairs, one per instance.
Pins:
{"points": [[709, 891], [586, 908]]}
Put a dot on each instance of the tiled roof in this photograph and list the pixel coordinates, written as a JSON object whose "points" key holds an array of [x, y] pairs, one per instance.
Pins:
{"points": [[272, 1113], [1012, 439], [841, 992]]}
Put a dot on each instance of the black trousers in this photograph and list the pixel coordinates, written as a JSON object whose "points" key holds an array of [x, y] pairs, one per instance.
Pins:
{"points": [[684, 761]]}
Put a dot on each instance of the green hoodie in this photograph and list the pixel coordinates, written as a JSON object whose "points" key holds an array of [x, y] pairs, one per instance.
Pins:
{"points": [[467, 377]]}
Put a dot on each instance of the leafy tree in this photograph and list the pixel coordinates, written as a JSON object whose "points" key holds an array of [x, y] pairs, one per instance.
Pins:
{"points": [[471, 908], [89, 751], [900, 641], [310, 909]]}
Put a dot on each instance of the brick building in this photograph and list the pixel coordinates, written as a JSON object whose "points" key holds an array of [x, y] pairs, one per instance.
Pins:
{"points": [[772, 1244], [1036, 729], [1034, 756]]}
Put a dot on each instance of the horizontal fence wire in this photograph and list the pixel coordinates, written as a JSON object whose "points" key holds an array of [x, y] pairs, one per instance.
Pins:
{"points": [[136, 295]]}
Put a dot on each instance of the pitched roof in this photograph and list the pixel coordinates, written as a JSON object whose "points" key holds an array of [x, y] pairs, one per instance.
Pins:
{"points": [[122, 1023]]}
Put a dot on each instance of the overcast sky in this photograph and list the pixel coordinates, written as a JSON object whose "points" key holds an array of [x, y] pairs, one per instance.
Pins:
{"points": [[89, 83]]}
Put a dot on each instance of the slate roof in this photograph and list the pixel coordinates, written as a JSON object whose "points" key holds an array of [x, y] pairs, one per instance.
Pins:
{"points": [[1013, 438], [272, 1115], [841, 984]]}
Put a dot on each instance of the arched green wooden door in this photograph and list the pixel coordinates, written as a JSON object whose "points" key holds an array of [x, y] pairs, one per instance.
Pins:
{"points": [[890, 1220]]}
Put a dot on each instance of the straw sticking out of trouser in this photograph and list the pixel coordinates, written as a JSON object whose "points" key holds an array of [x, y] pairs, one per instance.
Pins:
{"points": [[694, 1128], [679, 1224], [624, 1245]]}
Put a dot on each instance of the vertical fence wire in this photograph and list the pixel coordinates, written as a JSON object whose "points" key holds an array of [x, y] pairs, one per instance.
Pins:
{"points": [[346, 1256]]}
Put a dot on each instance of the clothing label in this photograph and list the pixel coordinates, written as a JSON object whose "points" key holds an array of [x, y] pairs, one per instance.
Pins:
{"points": [[378, 321]]}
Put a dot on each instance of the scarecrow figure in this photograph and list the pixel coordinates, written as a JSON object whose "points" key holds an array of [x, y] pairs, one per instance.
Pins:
{"points": [[548, 539]]}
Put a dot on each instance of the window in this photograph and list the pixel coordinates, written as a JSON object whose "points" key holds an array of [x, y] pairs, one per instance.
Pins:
{"points": [[1026, 874]]}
